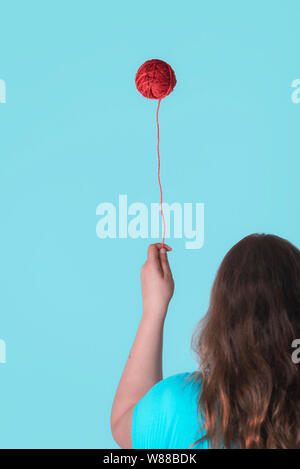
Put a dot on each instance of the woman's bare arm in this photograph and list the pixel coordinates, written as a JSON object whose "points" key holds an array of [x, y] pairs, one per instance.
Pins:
{"points": [[144, 365]]}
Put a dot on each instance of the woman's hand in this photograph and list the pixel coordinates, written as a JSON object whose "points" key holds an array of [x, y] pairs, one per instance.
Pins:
{"points": [[157, 281]]}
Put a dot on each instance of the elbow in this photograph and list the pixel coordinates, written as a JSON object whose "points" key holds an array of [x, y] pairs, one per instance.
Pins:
{"points": [[114, 427], [121, 429]]}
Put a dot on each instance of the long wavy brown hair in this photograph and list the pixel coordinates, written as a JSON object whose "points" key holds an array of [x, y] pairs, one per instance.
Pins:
{"points": [[250, 393]]}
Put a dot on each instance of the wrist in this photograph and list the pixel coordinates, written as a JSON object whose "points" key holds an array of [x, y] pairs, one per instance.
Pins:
{"points": [[154, 314]]}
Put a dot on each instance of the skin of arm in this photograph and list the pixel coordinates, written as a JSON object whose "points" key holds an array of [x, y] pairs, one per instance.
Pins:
{"points": [[143, 368]]}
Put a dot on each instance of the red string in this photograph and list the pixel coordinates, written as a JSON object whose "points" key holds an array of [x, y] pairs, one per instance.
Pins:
{"points": [[161, 195]]}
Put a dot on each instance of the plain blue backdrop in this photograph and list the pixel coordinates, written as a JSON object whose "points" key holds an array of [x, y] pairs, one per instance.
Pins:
{"points": [[75, 132]]}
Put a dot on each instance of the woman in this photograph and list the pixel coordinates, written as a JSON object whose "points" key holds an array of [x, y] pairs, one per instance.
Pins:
{"points": [[246, 393]]}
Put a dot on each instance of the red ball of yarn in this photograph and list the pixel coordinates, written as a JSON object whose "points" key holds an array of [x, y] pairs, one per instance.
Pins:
{"points": [[155, 79]]}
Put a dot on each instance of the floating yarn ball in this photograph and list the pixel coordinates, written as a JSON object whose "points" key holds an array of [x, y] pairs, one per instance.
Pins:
{"points": [[155, 79]]}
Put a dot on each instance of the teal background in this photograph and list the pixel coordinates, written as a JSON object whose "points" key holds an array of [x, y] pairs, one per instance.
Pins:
{"points": [[75, 132]]}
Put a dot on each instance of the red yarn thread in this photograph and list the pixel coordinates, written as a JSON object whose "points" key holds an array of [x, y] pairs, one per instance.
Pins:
{"points": [[155, 79], [159, 183]]}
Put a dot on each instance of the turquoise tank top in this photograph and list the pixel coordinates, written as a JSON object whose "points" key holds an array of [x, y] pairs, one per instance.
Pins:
{"points": [[167, 418]]}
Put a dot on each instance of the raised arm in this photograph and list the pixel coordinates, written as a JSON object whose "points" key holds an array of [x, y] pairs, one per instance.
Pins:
{"points": [[144, 365]]}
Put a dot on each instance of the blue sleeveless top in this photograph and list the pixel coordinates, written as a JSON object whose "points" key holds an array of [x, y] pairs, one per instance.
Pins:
{"points": [[166, 417]]}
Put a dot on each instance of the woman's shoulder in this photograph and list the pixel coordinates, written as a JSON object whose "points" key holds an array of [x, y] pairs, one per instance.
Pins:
{"points": [[175, 386], [179, 388], [167, 417]]}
